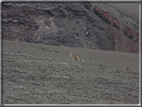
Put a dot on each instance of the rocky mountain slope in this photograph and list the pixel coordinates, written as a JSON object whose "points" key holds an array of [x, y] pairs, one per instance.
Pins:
{"points": [[44, 74], [83, 25]]}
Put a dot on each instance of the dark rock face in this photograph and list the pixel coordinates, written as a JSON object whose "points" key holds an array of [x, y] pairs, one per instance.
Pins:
{"points": [[129, 33], [115, 25], [17, 26], [106, 20], [103, 15], [87, 5], [67, 24]]}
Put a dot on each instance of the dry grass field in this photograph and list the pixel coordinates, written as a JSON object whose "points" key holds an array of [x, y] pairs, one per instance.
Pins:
{"points": [[44, 74]]}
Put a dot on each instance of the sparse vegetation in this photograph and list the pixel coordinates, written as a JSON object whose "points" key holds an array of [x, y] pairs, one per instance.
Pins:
{"points": [[45, 74]]}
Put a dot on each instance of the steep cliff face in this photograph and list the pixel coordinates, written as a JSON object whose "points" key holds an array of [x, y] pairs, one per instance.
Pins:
{"points": [[83, 25]]}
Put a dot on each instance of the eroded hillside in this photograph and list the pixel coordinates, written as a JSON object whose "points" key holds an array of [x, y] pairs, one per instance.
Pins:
{"points": [[84, 25]]}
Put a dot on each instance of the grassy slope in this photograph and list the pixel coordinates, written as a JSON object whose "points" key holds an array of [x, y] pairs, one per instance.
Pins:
{"points": [[35, 73]]}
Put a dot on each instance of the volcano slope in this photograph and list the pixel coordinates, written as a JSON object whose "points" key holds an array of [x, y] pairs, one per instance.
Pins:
{"points": [[83, 25], [45, 74]]}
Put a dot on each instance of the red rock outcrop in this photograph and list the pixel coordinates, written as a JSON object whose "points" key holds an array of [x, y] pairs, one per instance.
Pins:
{"points": [[128, 32], [116, 23], [129, 43], [106, 17], [103, 15]]}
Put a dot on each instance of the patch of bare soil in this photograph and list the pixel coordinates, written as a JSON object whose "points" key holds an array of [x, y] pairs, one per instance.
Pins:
{"points": [[44, 74]]}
